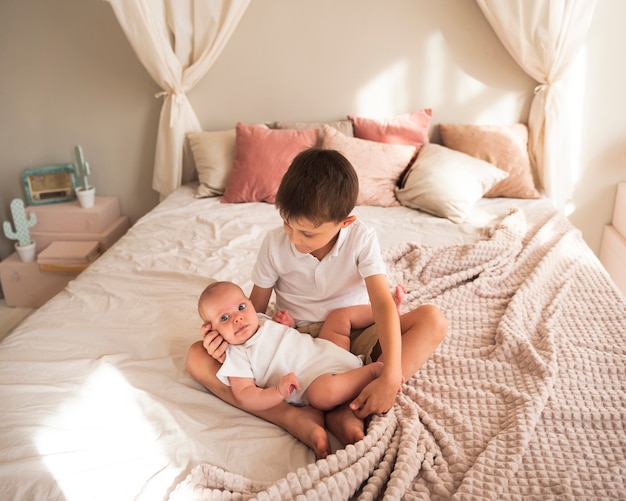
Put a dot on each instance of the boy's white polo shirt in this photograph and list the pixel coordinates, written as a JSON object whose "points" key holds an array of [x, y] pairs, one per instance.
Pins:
{"points": [[309, 289]]}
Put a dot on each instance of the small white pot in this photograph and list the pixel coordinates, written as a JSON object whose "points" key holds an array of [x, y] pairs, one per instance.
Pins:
{"points": [[26, 252], [86, 197]]}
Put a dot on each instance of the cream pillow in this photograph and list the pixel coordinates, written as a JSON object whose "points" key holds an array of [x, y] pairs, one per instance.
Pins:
{"points": [[447, 183], [378, 165], [214, 154]]}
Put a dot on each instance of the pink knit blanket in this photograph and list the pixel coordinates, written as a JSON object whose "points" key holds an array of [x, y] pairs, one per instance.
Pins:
{"points": [[524, 398]]}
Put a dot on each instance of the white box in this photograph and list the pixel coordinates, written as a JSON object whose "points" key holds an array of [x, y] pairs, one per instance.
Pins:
{"points": [[619, 211], [613, 256]]}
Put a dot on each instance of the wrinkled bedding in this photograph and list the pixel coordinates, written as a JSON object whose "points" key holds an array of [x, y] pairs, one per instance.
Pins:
{"points": [[524, 397]]}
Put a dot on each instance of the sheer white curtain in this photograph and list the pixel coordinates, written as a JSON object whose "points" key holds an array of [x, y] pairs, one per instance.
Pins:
{"points": [[177, 41], [544, 37]]}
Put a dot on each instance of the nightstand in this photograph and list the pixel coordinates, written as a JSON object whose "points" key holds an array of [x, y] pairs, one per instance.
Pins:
{"points": [[25, 284], [613, 246]]}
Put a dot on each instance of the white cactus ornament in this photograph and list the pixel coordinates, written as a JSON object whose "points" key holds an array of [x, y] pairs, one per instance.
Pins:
{"points": [[21, 222]]}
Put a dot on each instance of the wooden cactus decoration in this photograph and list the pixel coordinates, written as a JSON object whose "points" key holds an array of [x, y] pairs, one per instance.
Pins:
{"points": [[21, 222]]}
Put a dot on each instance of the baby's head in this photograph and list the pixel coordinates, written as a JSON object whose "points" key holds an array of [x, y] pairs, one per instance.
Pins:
{"points": [[225, 307], [320, 186]]}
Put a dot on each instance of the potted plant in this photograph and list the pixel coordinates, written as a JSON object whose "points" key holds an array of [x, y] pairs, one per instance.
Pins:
{"points": [[24, 246], [86, 193]]}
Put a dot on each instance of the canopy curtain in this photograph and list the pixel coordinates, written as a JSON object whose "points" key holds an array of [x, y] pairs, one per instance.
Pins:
{"points": [[177, 41], [544, 37]]}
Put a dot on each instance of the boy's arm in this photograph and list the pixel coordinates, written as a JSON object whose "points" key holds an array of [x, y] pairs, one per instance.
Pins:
{"points": [[260, 298], [253, 398], [379, 395]]}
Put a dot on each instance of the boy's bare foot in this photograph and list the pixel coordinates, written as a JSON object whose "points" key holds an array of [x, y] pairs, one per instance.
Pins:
{"points": [[307, 426], [345, 425], [398, 296]]}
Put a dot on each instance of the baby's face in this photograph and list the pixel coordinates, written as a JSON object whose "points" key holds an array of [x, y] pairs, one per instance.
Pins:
{"points": [[231, 314]]}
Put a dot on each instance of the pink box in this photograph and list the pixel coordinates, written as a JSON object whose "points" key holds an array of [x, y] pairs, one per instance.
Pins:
{"points": [[619, 211], [613, 256], [70, 217], [25, 286], [106, 238]]}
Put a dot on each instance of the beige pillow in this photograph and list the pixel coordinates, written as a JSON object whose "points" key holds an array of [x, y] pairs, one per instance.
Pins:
{"points": [[447, 183], [214, 154], [505, 146], [343, 126], [378, 165]]}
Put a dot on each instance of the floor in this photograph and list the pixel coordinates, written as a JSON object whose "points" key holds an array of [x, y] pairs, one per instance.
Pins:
{"points": [[10, 317]]}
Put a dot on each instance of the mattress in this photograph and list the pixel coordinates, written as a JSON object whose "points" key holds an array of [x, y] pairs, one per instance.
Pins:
{"points": [[97, 404]]}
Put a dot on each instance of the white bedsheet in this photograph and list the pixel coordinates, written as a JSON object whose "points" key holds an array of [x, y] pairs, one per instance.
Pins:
{"points": [[96, 402]]}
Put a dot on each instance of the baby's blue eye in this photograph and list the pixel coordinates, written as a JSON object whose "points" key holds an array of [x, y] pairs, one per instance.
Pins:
{"points": [[242, 306], [224, 318]]}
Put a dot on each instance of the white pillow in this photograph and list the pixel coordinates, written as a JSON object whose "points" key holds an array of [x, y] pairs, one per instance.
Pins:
{"points": [[447, 183], [214, 154]]}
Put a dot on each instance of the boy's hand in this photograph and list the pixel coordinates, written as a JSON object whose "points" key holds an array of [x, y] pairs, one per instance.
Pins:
{"points": [[287, 385], [213, 343], [376, 398]]}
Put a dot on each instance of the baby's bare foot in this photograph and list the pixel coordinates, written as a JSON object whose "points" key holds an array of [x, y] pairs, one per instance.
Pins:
{"points": [[376, 368], [398, 296]]}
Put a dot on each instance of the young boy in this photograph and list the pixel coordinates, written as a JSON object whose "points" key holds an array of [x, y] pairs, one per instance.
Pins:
{"points": [[323, 259], [268, 362]]}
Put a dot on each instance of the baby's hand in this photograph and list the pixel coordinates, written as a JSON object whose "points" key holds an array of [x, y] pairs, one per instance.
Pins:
{"points": [[283, 317], [287, 385], [213, 343]]}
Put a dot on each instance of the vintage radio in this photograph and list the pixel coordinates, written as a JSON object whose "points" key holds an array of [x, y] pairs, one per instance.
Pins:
{"points": [[50, 184]]}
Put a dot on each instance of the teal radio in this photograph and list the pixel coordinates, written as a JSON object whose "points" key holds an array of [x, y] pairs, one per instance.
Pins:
{"points": [[50, 184]]}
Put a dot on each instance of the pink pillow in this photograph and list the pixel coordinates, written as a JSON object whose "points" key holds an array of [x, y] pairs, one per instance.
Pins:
{"points": [[410, 128], [505, 146], [262, 156], [378, 165]]}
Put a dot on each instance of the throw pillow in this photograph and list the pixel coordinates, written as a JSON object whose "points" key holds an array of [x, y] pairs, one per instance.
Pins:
{"points": [[409, 128], [343, 126], [378, 165], [447, 183], [505, 146], [262, 156], [213, 153]]}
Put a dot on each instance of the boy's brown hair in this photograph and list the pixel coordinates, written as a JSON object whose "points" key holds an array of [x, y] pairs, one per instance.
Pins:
{"points": [[320, 186]]}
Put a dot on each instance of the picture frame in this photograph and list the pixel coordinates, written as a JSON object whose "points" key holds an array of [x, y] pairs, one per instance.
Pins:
{"points": [[50, 184]]}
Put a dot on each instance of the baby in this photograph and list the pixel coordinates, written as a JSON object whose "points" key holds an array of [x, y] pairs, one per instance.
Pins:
{"points": [[267, 362]]}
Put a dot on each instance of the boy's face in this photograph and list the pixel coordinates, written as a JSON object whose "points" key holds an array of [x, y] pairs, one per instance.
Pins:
{"points": [[317, 239], [231, 314]]}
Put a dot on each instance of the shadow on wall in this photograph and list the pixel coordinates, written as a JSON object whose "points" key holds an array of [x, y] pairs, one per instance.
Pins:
{"points": [[368, 58]]}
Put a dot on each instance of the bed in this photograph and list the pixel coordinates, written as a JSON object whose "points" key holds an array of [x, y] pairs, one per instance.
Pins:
{"points": [[525, 397]]}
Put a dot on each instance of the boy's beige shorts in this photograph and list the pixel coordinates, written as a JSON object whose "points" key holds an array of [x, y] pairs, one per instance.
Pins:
{"points": [[362, 341]]}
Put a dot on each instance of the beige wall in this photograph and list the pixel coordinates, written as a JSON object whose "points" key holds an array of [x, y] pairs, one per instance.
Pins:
{"points": [[70, 77]]}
